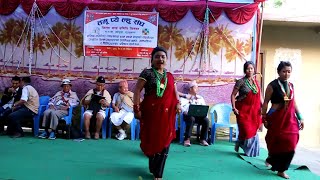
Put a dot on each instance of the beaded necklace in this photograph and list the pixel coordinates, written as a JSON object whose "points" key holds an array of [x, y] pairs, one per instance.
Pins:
{"points": [[161, 87], [285, 88], [287, 96], [252, 86]]}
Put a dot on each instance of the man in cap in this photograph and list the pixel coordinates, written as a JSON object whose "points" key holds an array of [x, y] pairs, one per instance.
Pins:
{"points": [[122, 104], [193, 98], [59, 105], [96, 100]]}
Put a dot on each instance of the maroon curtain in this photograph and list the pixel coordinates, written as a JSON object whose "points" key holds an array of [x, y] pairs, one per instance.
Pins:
{"points": [[146, 6], [7, 7], [168, 10], [199, 11], [122, 1], [44, 6], [104, 6], [172, 12], [241, 15], [70, 8]]}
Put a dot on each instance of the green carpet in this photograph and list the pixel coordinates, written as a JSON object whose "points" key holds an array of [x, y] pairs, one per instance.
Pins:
{"points": [[30, 158], [259, 162]]}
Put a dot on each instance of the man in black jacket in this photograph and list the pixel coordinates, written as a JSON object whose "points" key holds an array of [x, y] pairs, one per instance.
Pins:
{"points": [[10, 96]]}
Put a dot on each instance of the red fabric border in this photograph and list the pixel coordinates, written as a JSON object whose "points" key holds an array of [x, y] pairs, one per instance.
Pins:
{"points": [[7, 7], [168, 10]]}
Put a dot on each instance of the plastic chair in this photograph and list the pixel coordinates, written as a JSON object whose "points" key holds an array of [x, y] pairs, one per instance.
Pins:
{"points": [[183, 128], [67, 119], [43, 102], [104, 122], [134, 126], [223, 112]]}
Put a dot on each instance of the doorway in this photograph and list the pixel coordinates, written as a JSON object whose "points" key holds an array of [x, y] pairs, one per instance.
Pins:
{"points": [[260, 71]]}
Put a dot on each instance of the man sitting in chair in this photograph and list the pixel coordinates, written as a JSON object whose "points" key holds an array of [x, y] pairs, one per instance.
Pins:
{"points": [[59, 105], [23, 109], [10, 96], [96, 100], [122, 104], [193, 98]]}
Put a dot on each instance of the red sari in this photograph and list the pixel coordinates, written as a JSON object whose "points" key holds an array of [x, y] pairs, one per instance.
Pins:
{"points": [[249, 119], [282, 136], [158, 119], [283, 130]]}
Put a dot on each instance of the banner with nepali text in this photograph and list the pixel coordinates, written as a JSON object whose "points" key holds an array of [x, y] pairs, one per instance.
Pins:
{"points": [[120, 34]]}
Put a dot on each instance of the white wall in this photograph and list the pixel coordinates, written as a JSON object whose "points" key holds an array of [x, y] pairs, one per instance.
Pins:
{"points": [[307, 85]]}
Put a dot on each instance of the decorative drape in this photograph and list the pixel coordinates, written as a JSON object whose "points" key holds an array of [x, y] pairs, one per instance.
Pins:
{"points": [[7, 7], [241, 15], [168, 10]]}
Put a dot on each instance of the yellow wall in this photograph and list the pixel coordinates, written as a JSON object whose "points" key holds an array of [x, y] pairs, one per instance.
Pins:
{"points": [[307, 86]]}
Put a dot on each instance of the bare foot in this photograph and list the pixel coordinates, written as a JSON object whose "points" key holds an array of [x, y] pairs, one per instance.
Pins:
{"points": [[283, 174], [87, 136], [267, 164], [96, 136]]}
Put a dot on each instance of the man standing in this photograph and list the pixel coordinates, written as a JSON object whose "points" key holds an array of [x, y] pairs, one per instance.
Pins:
{"points": [[10, 96], [23, 109]]}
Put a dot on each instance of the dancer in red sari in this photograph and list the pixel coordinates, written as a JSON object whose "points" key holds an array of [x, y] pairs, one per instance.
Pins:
{"points": [[283, 121], [157, 111], [247, 108]]}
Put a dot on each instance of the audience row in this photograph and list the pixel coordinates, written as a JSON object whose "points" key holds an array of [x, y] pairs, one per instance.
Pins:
{"points": [[21, 102]]}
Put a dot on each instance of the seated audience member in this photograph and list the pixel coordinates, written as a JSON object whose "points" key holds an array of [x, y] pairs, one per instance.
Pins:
{"points": [[23, 109], [59, 106], [10, 96], [193, 98], [122, 104], [96, 100]]}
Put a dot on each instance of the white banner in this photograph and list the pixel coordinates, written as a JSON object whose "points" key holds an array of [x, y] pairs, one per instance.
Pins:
{"points": [[124, 34]]}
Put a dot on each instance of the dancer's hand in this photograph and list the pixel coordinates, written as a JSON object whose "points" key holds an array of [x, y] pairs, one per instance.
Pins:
{"points": [[301, 126], [264, 120], [235, 111], [178, 108], [265, 123], [137, 115]]}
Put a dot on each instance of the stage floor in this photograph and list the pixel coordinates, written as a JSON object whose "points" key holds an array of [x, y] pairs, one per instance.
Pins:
{"points": [[31, 158]]}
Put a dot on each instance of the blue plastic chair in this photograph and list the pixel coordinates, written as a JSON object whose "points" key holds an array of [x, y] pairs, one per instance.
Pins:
{"points": [[43, 102], [134, 125], [223, 112], [67, 119], [183, 127], [104, 122], [134, 129]]}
